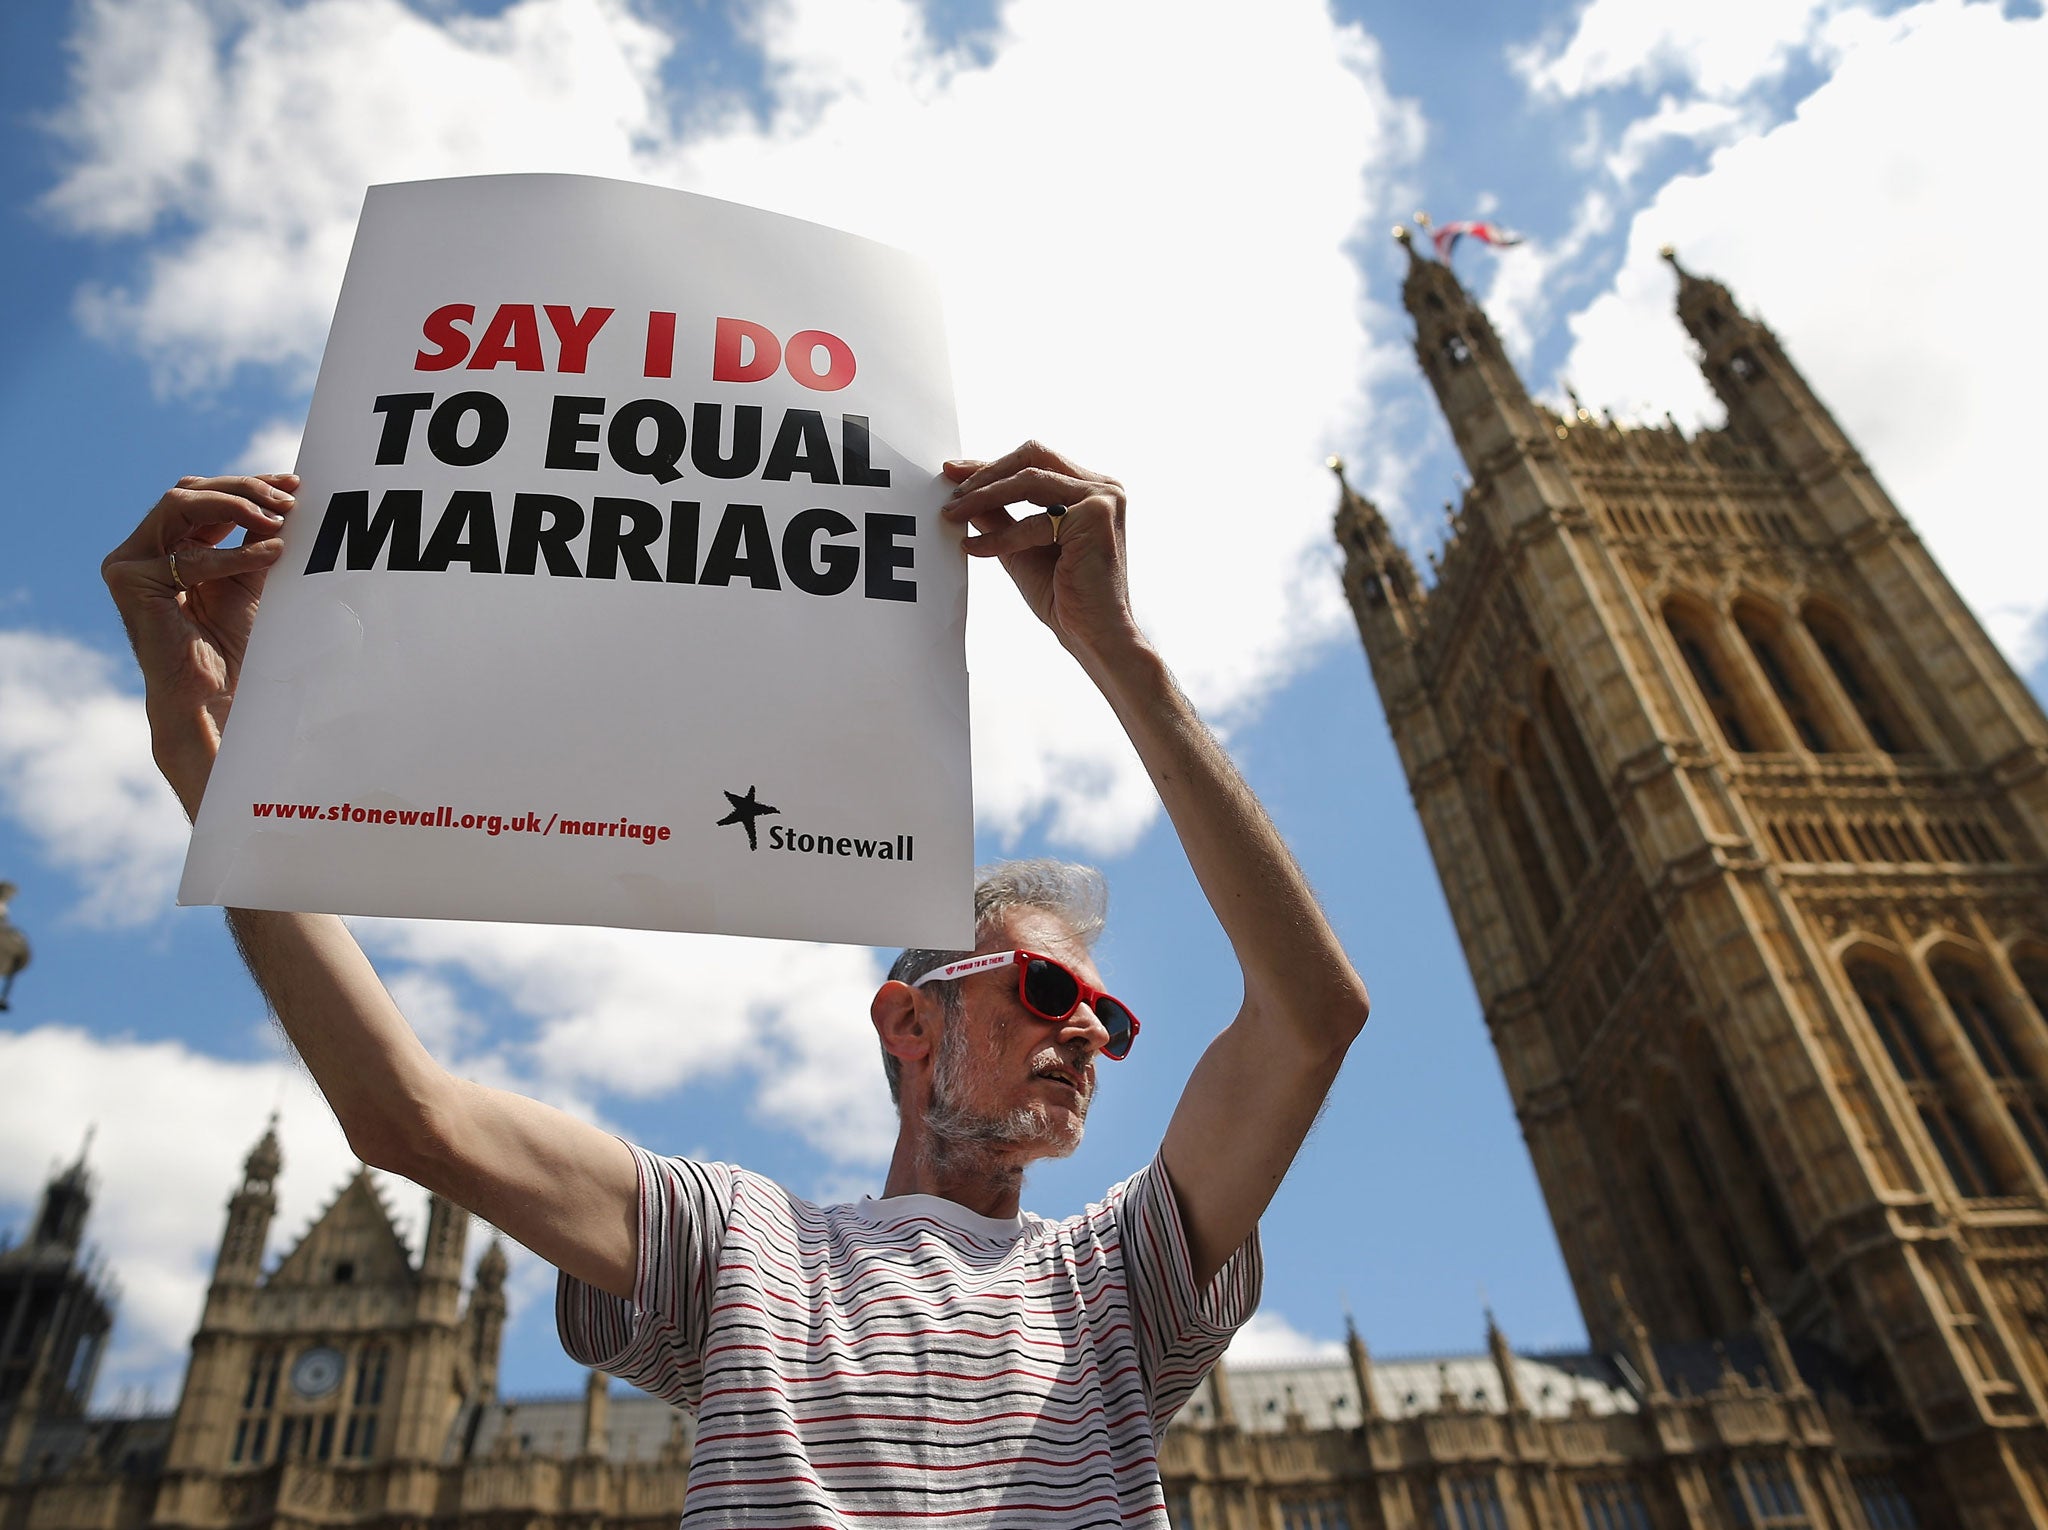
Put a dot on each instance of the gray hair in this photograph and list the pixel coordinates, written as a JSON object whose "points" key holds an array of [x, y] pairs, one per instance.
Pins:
{"points": [[1075, 895]]}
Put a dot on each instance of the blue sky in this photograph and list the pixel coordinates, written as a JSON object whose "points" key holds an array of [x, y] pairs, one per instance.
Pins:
{"points": [[1162, 237]]}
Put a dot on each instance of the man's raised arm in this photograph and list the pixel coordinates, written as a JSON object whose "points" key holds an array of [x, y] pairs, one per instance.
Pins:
{"points": [[563, 1188], [1256, 1091]]}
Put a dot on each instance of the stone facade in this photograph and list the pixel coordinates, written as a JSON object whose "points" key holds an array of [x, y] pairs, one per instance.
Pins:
{"points": [[1743, 822], [350, 1385]]}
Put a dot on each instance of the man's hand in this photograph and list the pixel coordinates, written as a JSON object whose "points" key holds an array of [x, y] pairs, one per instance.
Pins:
{"points": [[188, 603], [1069, 562]]}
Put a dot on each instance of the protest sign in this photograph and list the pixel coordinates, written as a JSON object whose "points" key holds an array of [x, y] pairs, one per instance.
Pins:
{"points": [[616, 592]]}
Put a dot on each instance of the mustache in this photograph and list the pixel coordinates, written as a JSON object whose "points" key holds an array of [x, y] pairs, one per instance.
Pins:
{"points": [[1075, 1061]]}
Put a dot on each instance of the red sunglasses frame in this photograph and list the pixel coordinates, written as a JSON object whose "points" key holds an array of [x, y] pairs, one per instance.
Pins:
{"points": [[988, 961]]}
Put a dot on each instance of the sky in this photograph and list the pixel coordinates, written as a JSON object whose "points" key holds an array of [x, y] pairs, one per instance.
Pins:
{"points": [[1161, 236]]}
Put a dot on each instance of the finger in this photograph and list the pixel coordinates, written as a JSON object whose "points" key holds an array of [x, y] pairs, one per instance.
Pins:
{"points": [[250, 503], [958, 468], [1032, 454], [202, 565], [197, 564], [192, 517], [1030, 485], [286, 481], [1059, 525], [1021, 536], [1017, 536]]}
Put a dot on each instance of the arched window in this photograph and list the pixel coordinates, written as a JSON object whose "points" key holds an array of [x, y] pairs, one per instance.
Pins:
{"points": [[1708, 673], [1530, 854], [1961, 985], [1736, 1125], [1578, 760], [1997, 1048], [1710, 1195], [259, 1397], [1897, 1026], [1557, 815], [359, 1440], [1680, 1255], [1845, 659], [1900, 1028], [1788, 682]]}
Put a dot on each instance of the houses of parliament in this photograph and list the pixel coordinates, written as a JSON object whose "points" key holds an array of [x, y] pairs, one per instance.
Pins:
{"points": [[1743, 824]]}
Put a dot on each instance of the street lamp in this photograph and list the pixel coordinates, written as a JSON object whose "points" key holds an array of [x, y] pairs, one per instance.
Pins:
{"points": [[13, 945]]}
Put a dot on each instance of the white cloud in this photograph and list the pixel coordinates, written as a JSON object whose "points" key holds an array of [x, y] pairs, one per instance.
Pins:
{"points": [[1524, 290], [636, 1014], [1840, 228], [171, 1129], [273, 448], [75, 774], [241, 137], [1717, 48], [1156, 282], [1703, 123], [1269, 1339]]}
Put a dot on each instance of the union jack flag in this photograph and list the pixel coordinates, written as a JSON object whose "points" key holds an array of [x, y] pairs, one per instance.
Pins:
{"points": [[1445, 236]]}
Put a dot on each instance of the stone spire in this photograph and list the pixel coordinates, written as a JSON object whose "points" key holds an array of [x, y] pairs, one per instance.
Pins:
{"points": [[66, 1202], [1635, 1340], [1219, 1389], [1483, 399], [1776, 1350], [1379, 581], [1504, 1363], [56, 1308], [441, 1255], [1770, 404], [597, 1414], [1361, 1371], [486, 1318], [240, 1263]]}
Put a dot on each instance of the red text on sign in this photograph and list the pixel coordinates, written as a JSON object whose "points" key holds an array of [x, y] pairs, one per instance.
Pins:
{"points": [[744, 352], [513, 335]]}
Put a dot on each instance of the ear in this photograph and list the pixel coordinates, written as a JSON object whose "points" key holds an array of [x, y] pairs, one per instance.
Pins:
{"points": [[908, 1028]]}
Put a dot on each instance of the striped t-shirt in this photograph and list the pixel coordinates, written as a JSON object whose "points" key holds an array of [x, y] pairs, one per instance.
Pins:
{"points": [[906, 1361]]}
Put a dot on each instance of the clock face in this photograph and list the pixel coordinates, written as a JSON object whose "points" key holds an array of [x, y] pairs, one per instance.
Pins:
{"points": [[317, 1372]]}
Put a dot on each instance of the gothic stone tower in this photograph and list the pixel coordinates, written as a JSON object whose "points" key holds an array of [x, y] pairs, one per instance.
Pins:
{"points": [[56, 1307], [1743, 822], [347, 1355]]}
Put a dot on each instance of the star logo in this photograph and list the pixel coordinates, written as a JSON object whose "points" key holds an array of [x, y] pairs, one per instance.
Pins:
{"points": [[744, 811]]}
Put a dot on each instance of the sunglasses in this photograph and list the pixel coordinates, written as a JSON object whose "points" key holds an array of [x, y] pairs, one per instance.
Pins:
{"points": [[1051, 992]]}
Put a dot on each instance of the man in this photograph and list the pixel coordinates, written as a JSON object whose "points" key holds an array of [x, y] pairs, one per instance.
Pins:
{"points": [[932, 1353]]}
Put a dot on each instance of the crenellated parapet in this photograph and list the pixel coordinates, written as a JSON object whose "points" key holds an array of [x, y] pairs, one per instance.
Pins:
{"points": [[1558, 1441]]}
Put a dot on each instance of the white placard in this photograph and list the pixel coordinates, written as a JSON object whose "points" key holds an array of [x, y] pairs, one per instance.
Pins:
{"points": [[616, 592]]}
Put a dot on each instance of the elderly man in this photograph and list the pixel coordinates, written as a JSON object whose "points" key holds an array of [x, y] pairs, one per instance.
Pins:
{"points": [[931, 1353]]}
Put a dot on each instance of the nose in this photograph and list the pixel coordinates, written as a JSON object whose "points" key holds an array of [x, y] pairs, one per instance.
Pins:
{"points": [[1083, 1025]]}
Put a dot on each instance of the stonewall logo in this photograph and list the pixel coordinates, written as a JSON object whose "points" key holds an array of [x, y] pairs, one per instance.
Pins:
{"points": [[747, 808], [744, 811]]}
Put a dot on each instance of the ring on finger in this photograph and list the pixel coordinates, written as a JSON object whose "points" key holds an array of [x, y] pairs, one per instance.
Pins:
{"points": [[1057, 514], [176, 578]]}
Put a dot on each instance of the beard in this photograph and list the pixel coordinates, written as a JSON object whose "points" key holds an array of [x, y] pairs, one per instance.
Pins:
{"points": [[960, 1137]]}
